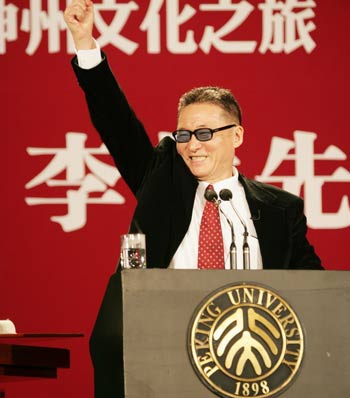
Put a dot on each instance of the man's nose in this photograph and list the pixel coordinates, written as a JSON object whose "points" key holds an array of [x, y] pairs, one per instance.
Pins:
{"points": [[193, 143]]}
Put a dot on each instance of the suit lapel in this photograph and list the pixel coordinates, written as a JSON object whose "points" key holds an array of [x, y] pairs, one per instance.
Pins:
{"points": [[185, 186], [270, 223]]}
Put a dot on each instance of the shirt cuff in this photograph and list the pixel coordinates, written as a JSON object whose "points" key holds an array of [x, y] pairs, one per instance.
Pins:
{"points": [[88, 59]]}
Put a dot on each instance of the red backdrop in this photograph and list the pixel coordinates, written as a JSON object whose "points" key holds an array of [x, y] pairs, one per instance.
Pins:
{"points": [[286, 62]]}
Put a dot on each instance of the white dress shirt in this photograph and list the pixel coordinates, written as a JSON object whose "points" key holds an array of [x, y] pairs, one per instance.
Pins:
{"points": [[88, 59], [186, 255]]}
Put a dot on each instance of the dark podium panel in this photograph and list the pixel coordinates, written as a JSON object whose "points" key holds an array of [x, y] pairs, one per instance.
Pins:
{"points": [[158, 306]]}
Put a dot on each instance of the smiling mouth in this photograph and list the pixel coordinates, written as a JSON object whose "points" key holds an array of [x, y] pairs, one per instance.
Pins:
{"points": [[197, 158]]}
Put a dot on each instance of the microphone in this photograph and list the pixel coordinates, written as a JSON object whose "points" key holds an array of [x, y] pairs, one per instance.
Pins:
{"points": [[226, 195], [211, 196]]}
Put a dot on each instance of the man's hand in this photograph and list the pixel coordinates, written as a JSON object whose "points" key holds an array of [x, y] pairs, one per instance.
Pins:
{"points": [[79, 17]]}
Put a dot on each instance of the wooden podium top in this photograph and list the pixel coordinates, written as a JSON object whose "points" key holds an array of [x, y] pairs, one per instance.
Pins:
{"points": [[40, 335], [31, 360]]}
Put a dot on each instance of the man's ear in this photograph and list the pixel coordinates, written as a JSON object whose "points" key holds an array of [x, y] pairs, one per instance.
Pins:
{"points": [[238, 134]]}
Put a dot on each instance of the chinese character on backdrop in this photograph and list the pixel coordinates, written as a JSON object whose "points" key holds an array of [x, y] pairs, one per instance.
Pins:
{"points": [[84, 173], [304, 158]]}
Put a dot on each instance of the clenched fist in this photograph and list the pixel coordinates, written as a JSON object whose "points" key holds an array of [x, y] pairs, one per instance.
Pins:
{"points": [[79, 17]]}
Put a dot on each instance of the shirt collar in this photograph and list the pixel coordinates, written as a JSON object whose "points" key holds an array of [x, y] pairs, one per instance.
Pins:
{"points": [[231, 183]]}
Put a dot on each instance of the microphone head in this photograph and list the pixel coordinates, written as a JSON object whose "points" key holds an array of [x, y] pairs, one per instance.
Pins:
{"points": [[225, 194], [210, 195]]}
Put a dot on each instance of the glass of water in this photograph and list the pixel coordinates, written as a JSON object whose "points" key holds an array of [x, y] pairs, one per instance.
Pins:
{"points": [[133, 251]]}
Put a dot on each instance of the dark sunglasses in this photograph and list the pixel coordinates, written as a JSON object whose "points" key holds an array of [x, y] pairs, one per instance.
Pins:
{"points": [[202, 134]]}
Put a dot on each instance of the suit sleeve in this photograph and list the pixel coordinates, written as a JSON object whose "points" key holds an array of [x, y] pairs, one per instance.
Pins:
{"points": [[117, 124]]}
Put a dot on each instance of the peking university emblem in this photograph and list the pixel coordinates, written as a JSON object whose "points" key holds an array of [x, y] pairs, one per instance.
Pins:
{"points": [[244, 340]]}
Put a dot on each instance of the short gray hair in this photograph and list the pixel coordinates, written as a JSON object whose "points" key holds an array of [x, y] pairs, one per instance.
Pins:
{"points": [[213, 95]]}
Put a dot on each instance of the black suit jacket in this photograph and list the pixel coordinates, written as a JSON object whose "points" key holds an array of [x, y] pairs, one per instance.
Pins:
{"points": [[165, 191], [165, 188]]}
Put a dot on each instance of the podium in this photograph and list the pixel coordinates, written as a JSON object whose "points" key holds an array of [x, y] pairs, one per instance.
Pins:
{"points": [[158, 305]]}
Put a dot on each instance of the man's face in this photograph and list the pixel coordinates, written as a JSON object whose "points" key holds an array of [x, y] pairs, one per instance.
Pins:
{"points": [[210, 161]]}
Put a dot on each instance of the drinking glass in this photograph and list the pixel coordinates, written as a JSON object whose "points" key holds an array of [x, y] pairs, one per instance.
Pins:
{"points": [[133, 251]]}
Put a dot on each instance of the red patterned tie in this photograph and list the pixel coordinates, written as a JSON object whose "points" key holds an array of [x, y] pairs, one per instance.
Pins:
{"points": [[211, 246]]}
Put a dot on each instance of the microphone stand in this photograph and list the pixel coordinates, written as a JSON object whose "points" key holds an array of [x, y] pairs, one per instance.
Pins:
{"points": [[246, 252], [233, 247], [233, 253], [226, 195]]}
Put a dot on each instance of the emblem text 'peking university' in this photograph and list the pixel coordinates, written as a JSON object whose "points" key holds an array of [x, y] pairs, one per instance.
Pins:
{"points": [[244, 340]]}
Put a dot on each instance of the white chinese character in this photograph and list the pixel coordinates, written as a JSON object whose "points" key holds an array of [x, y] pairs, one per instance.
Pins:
{"points": [[174, 20], [35, 21], [211, 38], [74, 159], [8, 24], [110, 33], [304, 158], [284, 28], [151, 24]]}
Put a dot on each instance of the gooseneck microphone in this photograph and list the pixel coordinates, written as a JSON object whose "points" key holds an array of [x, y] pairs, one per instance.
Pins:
{"points": [[226, 195], [211, 196]]}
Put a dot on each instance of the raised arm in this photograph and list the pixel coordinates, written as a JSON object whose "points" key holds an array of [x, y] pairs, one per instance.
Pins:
{"points": [[118, 126]]}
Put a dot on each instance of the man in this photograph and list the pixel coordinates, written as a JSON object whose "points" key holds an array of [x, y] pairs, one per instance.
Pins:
{"points": [[170, 181]]}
